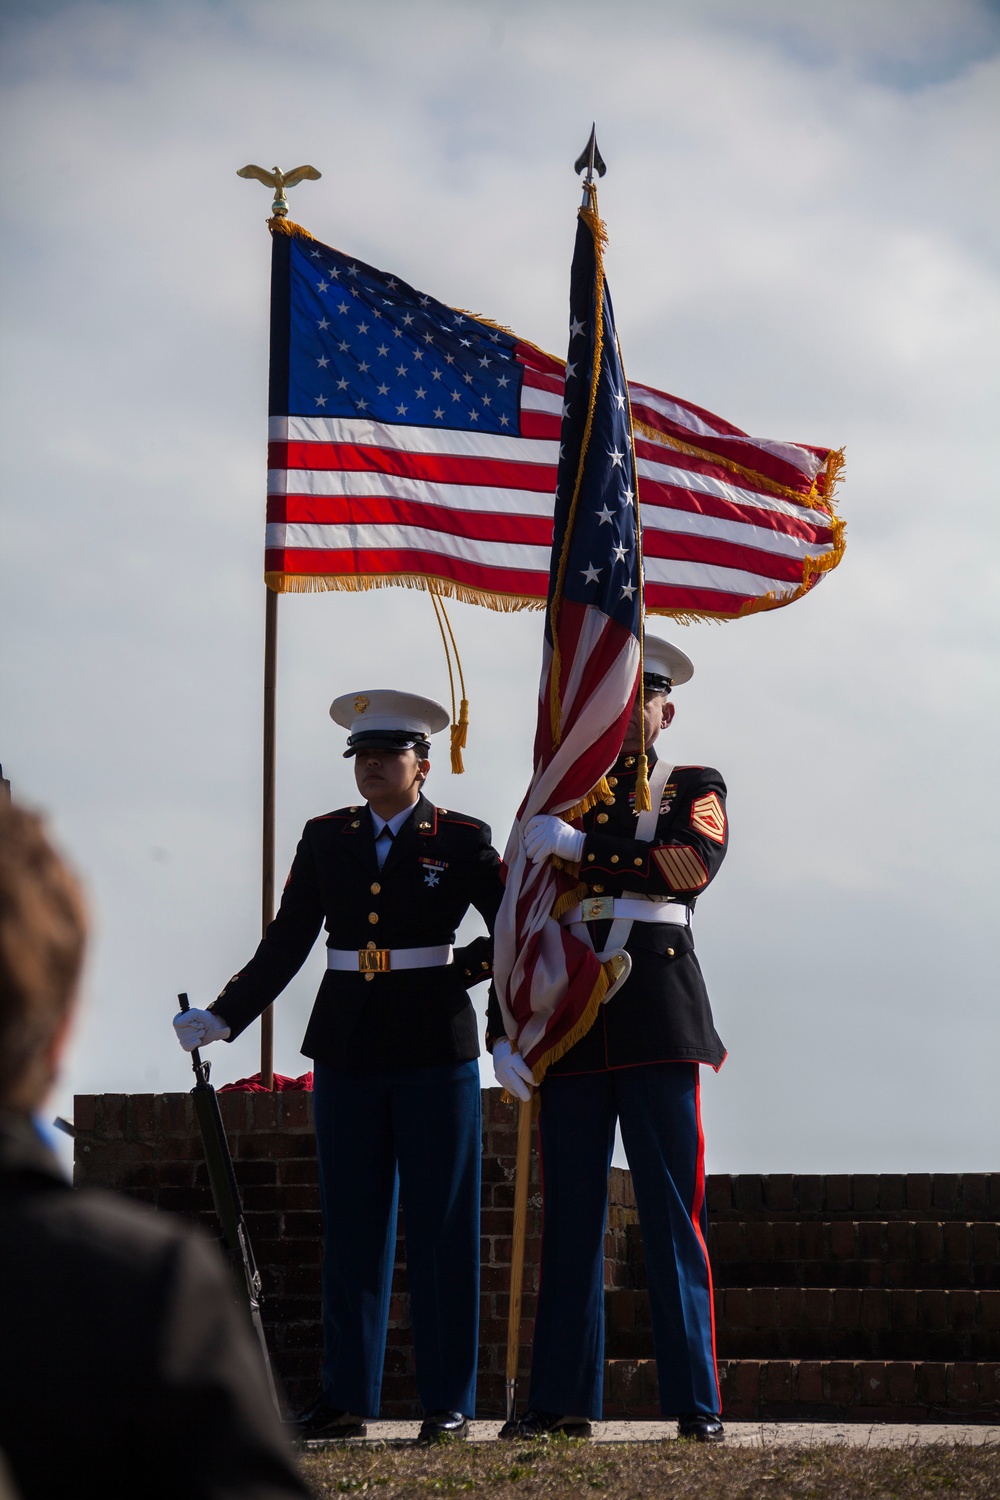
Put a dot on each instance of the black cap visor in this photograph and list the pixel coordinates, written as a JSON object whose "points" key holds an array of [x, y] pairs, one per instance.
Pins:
{"points": [[386, 739], [655, 682]]}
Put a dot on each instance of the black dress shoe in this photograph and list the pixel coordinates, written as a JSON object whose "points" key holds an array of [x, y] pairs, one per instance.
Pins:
{"points": [[322, 1421], [438, 1425], [703, 1428], [545, 1424]]}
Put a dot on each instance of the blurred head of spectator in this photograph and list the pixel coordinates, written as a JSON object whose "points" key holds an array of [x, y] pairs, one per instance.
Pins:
{"points": [[43, 926]]}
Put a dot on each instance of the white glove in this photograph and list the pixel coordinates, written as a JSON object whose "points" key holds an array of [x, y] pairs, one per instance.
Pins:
{"points": [[547, 834], [196, 1028], [513, 1073]]}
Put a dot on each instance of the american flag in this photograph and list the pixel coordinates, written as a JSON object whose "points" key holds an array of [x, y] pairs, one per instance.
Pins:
{"points": [[549, 983], [413, 443]]}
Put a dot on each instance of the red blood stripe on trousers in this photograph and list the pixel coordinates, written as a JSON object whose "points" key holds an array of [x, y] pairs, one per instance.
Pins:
{"points": [[696, 1208]]}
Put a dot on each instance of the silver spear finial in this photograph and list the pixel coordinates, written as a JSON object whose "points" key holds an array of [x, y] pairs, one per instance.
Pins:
{"points": [[590, 160]]}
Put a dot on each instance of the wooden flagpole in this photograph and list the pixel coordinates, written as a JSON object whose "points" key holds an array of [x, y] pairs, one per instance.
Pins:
{"points": [[525, 1119], [592, 161], [267, 840], [278, 392]]}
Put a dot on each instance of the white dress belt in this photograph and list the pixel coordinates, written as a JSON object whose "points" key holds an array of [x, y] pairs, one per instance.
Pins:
{"points": [[635, 908], [374, 960]]}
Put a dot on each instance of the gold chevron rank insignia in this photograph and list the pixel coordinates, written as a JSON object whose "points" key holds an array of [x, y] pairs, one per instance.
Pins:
{"points": [[681, 867], [708, 817]]}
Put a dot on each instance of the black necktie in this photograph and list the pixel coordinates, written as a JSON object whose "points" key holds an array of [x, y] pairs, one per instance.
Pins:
{"points": [[383, 852]]}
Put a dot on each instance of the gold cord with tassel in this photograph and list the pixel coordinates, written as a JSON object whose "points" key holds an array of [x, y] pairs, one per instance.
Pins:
{"points": [[459, 721], [642, 802]]}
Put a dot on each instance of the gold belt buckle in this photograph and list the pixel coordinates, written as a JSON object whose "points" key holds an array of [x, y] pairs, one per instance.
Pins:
{"points": [[372, 960], [598, 908]]}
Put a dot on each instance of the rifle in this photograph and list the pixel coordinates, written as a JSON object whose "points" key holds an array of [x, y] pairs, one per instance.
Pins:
{"points": [[228, 1206]]}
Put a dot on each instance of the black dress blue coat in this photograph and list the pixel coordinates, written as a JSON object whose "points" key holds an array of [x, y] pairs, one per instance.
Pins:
{"points": [[662, 1011], [440, 863]]}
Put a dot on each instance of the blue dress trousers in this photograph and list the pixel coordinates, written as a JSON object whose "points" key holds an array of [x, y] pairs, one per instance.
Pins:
{"points": [[639, 1064], [397, 1093]]}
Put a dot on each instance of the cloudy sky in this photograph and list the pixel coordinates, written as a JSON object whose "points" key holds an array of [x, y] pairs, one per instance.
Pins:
{"points": [[801, 199]]}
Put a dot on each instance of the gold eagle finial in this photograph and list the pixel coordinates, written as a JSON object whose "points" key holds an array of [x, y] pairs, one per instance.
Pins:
{"points": [[279, 181]]}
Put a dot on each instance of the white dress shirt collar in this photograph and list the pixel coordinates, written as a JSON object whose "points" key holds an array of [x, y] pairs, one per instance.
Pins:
{"points": [[394, 824]]}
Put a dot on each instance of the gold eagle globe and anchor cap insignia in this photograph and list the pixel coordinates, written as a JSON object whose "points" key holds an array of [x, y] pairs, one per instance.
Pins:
{"points": [[387, 719]]}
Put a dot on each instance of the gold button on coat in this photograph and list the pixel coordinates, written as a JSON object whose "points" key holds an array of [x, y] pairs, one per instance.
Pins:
{"points": [[612, 781], [637, 862], [373, 916], [375, 887], [614, 859], [602, 817]]}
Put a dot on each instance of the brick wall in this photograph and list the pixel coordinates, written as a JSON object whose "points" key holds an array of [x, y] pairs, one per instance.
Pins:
{"points": [[148, 1145], [839, 1297]]}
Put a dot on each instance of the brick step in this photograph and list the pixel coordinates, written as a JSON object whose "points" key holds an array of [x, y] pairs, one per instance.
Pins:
{"points": [[828, 1390], [914, 1195], [826, 1322], [825, 1253]]}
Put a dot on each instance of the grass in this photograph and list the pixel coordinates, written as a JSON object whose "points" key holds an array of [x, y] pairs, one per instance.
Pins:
{"points": [[655, 1471]]}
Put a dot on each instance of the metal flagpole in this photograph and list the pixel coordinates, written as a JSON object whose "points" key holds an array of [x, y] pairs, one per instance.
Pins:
{"points": [[267, 832], [277, 404], [525, 1118]]}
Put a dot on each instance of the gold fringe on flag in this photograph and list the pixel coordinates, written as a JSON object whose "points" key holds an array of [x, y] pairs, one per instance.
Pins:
{"points": [[820, 497], [817, 495], [289, 227], [359, 583], [603, 983], [568, 900]]}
